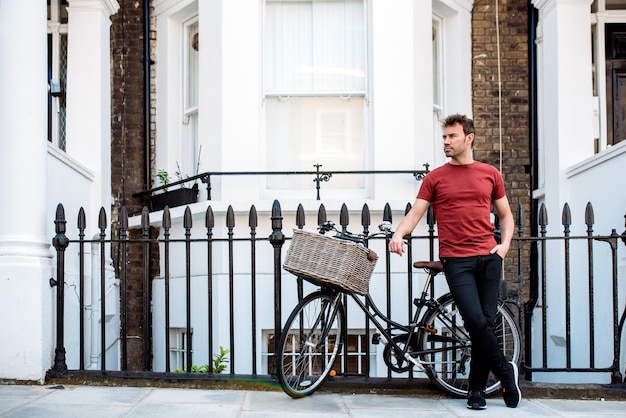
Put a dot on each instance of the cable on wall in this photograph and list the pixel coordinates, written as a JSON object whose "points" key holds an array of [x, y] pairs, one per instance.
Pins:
{"points": [[499, 85]]}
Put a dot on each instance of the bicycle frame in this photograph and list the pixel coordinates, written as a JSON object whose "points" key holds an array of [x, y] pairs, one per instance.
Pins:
{"points": [[414, 328]]}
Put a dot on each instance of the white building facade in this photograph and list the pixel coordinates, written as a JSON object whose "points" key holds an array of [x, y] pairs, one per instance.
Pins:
{"points": [[359, 84]]}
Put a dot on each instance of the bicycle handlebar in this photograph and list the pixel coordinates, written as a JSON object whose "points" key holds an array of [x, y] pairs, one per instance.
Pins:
{"points": [[384, 229]]}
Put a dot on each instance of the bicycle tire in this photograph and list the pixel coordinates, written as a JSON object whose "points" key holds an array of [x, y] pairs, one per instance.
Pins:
{"points": [[447, 364], [309, 344]]}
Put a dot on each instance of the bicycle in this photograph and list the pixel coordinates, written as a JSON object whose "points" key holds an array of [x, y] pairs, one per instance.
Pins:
{"points": [[435, 341]]}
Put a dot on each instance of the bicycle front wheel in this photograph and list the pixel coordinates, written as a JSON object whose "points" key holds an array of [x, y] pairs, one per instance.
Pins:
{"points": [[447, 351], [309, 344]]}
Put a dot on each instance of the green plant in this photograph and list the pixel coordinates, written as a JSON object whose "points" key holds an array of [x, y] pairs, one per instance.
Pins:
{"points": [[164, 177], [220, 361]]}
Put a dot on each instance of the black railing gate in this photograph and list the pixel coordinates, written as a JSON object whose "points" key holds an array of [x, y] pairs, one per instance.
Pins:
{"points": [[242, 262]]}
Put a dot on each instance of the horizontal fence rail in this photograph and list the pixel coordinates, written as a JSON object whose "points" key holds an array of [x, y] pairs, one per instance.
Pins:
{"points": [[319, 176], [215, 305]]}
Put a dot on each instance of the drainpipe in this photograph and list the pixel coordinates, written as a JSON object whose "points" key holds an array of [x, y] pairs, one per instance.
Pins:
{"points": [[146, 93], [533, 171], [94, 359]]}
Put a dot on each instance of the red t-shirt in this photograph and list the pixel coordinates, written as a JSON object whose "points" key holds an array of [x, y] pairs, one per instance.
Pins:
{"points": [[461, 196]]}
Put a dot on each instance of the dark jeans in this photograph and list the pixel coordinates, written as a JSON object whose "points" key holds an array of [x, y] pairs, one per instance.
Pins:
{"points": [[474, 283]]}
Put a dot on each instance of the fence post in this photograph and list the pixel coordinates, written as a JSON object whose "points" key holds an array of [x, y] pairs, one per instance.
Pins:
{"points": [[147, 323], [60, 243], [277, 239]]}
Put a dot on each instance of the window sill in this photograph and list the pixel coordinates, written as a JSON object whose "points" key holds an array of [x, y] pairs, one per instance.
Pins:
{"points": [[600, 158], [68, 161]]}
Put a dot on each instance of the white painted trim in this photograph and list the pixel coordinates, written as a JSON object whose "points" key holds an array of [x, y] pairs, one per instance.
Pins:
{"points": [[65, 159], [110, 7], [598, 159]]}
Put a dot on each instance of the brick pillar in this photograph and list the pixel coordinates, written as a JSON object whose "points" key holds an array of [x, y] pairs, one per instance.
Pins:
{"points": [[138, 319], [508, 137], [128, 167]]}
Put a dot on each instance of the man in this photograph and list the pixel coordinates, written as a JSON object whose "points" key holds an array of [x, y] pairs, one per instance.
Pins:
{"points": [[462, 192]]}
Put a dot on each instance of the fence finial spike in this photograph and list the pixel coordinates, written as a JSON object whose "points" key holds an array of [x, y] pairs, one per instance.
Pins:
{"points": [[124, 218], [321, 214], [102, 219], [543, 215], [145, 220], [253, 219], [589, 216], [430, 217], [209, 218], [366, 219], [82, 219], [387, 214], [230, 217], [167, 218], [344, 217], [60, 241], [300, 216]]}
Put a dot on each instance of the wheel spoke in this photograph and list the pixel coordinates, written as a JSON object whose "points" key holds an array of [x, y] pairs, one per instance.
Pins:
{"points": [[310, 343], [447, 353]]}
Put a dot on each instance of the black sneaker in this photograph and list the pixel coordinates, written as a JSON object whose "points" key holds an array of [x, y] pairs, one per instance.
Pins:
{"points": [[476, 399], [511, 393]]}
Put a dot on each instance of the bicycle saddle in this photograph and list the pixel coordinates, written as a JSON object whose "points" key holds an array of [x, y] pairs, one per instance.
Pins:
{"points": [[435, 266]]}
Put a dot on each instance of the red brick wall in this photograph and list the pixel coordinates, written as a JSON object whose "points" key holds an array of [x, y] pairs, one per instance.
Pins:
{"points": [[127, 124], [501, 118], [128, 166]]}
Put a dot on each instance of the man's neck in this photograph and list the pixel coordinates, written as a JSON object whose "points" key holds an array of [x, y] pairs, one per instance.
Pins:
{"points": [[464, 159]]}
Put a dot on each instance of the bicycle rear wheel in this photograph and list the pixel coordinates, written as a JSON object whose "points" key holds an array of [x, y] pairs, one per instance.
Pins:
{"points": [[309, 344], [448, 351]]}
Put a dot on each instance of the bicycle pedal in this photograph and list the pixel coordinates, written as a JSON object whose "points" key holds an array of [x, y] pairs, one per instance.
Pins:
{"points": [[376, 338], [430, 329]]}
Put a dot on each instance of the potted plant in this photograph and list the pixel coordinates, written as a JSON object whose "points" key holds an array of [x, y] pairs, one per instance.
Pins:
{"points": [[174, 197]]}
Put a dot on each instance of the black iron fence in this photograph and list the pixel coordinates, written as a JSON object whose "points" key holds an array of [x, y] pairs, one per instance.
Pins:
{"points": [[229, 295], [318, 175]]}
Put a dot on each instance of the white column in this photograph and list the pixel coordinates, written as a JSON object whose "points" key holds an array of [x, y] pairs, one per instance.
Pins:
{"points": [[393, 103], [566, 104], [565, 125], [25, 257]]}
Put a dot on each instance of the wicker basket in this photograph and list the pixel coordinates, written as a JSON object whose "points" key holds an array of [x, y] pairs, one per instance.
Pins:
{"points": [[333, 261]]}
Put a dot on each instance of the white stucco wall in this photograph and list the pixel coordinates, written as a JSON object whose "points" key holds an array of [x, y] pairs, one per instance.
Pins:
{"points": [[570, 173], [41, 175]]}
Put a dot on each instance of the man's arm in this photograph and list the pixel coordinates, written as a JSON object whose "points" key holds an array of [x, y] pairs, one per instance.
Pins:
{"points": [[506, 226], [407, 225]]}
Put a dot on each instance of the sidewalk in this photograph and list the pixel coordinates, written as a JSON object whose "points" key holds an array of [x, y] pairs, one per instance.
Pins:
{"points": [[113, 401]]}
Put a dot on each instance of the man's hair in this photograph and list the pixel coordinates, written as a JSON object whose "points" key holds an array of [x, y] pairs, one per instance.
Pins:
{"points": [[464, 121]]}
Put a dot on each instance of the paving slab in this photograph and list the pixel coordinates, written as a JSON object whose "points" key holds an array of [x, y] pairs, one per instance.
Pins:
{"points": [[34, 401]]}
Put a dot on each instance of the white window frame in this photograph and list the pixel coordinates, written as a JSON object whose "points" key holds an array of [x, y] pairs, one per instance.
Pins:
{"points": [[190, 112], [438, 87], [302, 186], [599, 19], [178, 348], [171, 110], [360, 355], [57, 115], [453, 65]]}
